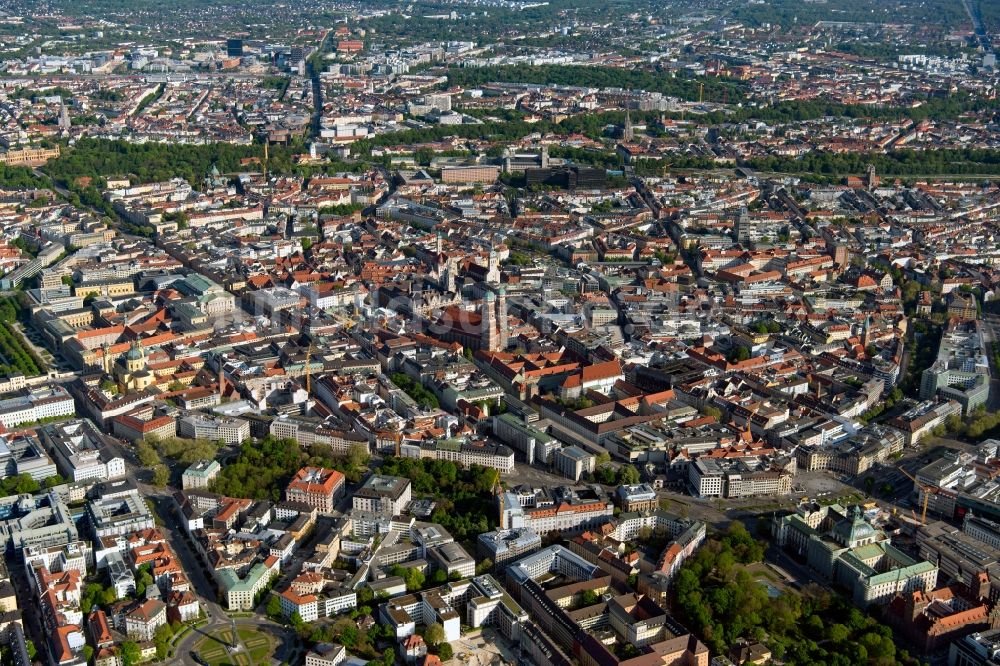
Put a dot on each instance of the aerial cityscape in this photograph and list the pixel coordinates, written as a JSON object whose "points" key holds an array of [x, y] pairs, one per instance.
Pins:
{"points": [[500, 333]]}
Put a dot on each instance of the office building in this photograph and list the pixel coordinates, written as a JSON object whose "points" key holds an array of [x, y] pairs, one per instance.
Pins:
{"points": [[40, 520], [230, 430], [638, 497], [961, 371], [200, 474], [504, 546], [121, 514], [316, 486], [564, 509], [843, 547], [573, 462], [382, 494], [33, 405], [81, 451]]}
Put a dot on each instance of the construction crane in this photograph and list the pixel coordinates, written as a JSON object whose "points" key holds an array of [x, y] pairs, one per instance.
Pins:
{"points": [[926, 490]]}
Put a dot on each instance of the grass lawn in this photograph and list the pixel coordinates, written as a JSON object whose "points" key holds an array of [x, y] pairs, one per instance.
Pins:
{"points": [[259, 647], [258, 644], [844, 500]]}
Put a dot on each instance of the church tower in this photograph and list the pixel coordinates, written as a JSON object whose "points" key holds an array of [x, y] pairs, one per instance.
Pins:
{"points": [[628, 133], [449, 277], [493, 268], [64, 122], [135, 359], [106, 358], [504, 333], [490, 340]]}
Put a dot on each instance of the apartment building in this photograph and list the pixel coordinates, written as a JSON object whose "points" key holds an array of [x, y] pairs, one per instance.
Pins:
{"points": [[24, 454], [308, 431], [326, 654], [39, 520], [142, 621], [531, 442]]}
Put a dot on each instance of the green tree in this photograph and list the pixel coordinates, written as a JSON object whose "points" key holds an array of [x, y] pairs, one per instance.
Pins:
{"points": [[415, 579], [147, 455], [605, 474], [161, 640], [434, 635], [53, 481], [838, 633], [144, 580], [274, 608], [92, 595], [714, 412], [26, 485], [358, 456], [130, 653], [423, 156], [161, 475], [628, 475], [739, 354]]}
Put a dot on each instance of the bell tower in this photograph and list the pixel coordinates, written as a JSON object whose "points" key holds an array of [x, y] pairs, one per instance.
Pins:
{"points": [[503, 332], [489, 336]]}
